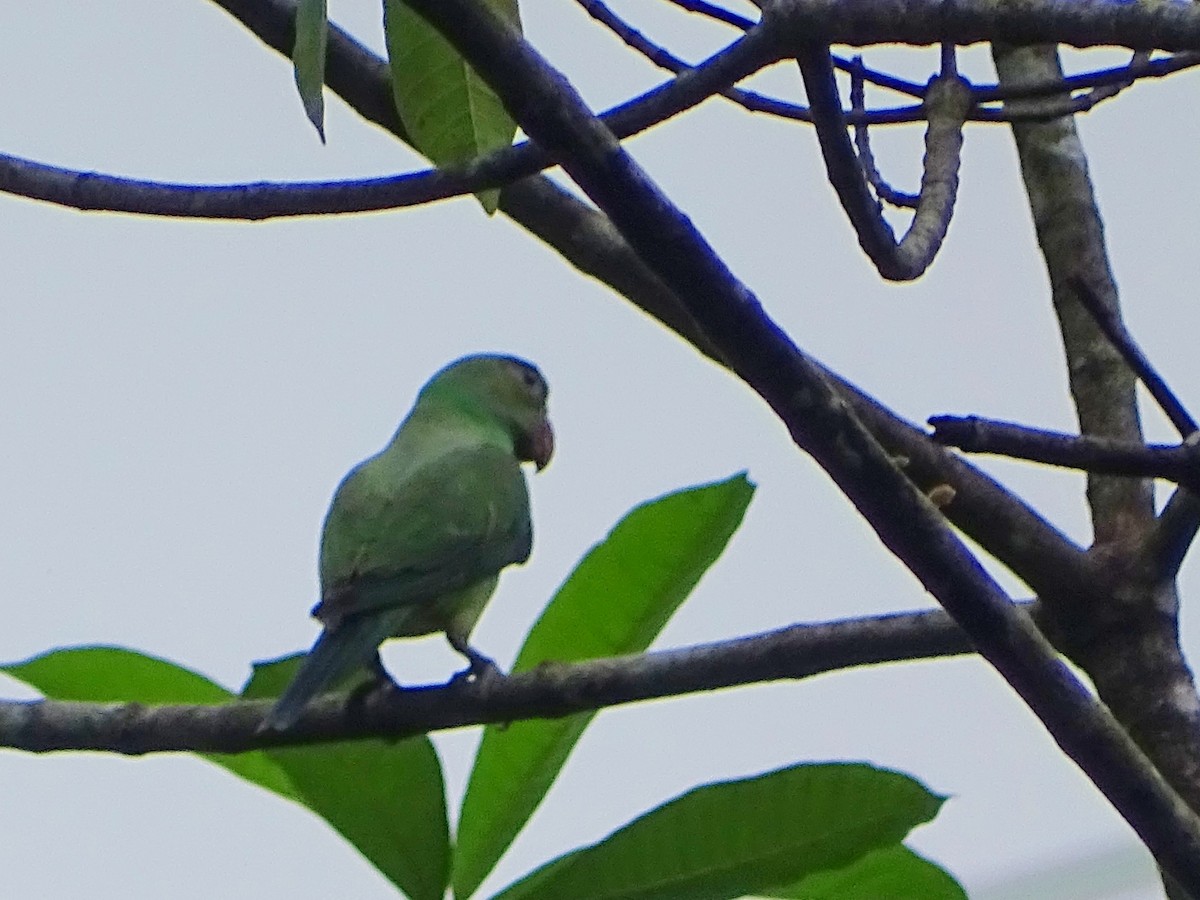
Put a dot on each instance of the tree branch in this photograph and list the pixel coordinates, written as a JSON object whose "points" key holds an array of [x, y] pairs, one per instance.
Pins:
{"points": [[1080, 23], [264, 200], [862, 145], [1125, 636], [946, 102], [549, 691], [1108, 319], [349, 62], [1178, 463]]}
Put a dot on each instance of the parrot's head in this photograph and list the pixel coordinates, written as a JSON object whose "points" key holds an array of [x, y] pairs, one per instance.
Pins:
{"points": [[510, 391]]}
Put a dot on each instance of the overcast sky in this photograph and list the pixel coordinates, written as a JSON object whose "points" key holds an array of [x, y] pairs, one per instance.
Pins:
{"points": [[180, 398]]}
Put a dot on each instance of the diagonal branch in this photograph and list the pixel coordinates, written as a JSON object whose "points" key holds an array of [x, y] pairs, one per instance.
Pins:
{"points": [[1109, 321], [554, 115], [1165, 544]]}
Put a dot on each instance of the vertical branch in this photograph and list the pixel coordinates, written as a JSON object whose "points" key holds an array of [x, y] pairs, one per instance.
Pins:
{"points": [[1125, 638], [1071, 237]]}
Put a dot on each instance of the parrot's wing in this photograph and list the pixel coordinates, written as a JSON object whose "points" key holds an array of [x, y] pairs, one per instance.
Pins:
{"points": [[459, 518]]}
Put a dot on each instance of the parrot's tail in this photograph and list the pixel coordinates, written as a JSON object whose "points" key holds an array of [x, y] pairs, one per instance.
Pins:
{"points": [[337, 653]]}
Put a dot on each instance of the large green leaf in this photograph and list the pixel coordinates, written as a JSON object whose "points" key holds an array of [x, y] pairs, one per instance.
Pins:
{"points": [[895, 873], [449, 112], [742, 837], [308, 59], [387, 798], [117, 675], [616, 601]]}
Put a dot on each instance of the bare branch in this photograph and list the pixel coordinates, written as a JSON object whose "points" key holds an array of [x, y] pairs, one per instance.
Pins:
{"points": [[548, 691], [1071, 237], [1141, 66], [262, 200], [716, 13], [972, 434], [1114, 329], [664, 59], [1079, 23], [862, 143], [1165, 547], [947, 102]]}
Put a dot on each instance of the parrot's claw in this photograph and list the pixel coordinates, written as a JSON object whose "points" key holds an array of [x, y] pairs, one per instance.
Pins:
{"points": [[482, 672]]}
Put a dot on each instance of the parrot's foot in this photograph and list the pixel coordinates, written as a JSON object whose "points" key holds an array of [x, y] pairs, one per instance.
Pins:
{"points": [[482, 672], [377, 681]]}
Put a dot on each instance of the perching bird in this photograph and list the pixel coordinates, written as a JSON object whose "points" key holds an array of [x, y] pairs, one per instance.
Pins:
{"points": [[416, 535]]}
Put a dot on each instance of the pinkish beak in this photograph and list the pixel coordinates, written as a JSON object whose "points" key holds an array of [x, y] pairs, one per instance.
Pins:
{"points": [[538, 445]]}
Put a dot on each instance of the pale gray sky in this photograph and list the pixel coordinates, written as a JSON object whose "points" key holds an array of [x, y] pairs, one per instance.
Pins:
{"points": [[180, 399]]}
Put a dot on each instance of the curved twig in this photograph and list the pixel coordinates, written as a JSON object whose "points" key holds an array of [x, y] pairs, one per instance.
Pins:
{"points": [[862, 143], [947, 101], [264, 200], [1109, 321], [716, 13], [751, 101]]}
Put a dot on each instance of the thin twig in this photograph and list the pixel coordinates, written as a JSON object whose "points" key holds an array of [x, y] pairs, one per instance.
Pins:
{"points": [[862, 143], [264, 200], [947, 102], [1105, 456], [716, 13], [1141, 66], [1118, 335], [752, 101]]}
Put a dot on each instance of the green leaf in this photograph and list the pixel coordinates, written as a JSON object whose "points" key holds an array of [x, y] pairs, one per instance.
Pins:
{"points": [[308, 60], [449, 112], [117, 675], [616, 601], [387, 798], [893, 872], [736, 838]]}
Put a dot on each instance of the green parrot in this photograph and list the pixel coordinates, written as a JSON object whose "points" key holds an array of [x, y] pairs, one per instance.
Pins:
{"points": [[416, 536]]}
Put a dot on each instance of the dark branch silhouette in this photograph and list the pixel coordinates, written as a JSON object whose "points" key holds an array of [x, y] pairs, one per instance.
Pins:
{"points": [[947, 101], [1105, 456], [262, 200], [1114, 329]]}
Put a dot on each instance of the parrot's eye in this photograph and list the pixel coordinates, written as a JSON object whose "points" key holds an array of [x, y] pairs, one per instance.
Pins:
{"points": [[532, 380]]}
